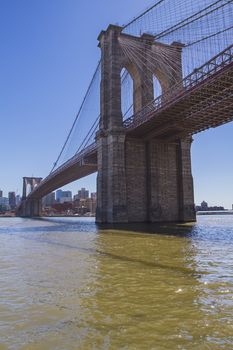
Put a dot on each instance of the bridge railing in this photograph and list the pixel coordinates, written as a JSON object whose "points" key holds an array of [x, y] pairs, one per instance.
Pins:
{"points": [[193, 79]]}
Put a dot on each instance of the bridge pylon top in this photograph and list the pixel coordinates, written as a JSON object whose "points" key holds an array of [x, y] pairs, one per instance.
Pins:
{"points": [[32, 181], [31, 178], [112, 28]]}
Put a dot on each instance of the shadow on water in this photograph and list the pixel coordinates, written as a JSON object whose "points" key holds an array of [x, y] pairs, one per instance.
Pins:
{"points": [[89, 226], [70, 224], [170, 229], [56, 225]]}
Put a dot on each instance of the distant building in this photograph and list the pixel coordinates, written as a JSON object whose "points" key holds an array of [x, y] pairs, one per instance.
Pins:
{"points": [[204, 205], [76, 198], [1, 194], [81, 205], [4, 201], [91, 205], [93, 195], [63, 196], [87, 205], [49, 200], [17, 199], [83, 193], [12, 200], [4, 204], [58, 195], [66, 196]]}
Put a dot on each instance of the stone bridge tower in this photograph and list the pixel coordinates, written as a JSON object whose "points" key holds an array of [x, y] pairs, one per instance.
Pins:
{"points": [[33, 207], [138, 180]]}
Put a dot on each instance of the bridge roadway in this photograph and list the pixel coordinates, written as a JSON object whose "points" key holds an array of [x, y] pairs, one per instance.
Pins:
{"points": [[203, 100]]}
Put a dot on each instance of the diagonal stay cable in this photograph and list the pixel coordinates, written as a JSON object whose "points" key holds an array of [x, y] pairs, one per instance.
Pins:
{"points": [[89, 134], [77, 116]]}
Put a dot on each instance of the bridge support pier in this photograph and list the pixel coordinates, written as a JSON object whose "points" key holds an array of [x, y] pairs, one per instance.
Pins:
{"points": [[168, 182], [31, 208], [142, 181]]}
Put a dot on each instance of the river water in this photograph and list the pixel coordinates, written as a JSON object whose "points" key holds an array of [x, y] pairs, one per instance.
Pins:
{"points": [[66, 284]]}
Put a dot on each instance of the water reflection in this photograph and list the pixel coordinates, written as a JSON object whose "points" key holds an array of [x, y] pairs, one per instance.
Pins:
{"points": [[152, 297], [68, 284]]}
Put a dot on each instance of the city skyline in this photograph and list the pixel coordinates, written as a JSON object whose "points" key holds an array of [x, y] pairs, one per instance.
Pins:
{"points": [[83, 193], [45, 75]]}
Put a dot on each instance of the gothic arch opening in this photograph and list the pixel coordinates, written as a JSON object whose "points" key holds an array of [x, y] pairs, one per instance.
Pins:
{"points": [[156, 87], [127, 98], [28, 189]]}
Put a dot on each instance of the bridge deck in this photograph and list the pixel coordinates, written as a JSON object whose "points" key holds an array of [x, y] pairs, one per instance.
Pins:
{"points": [[81, 165]]}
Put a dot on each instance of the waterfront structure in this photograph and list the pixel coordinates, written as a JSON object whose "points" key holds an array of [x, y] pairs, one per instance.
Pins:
{"points": [[205, 207], [144, 161]]}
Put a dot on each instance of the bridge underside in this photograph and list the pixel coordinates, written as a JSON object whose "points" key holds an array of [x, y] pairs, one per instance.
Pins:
{"points": [[208, 104]]}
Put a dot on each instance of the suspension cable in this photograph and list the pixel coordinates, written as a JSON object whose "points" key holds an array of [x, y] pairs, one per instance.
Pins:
{"points": [[182, 23], [77, 116], [142, 14]]}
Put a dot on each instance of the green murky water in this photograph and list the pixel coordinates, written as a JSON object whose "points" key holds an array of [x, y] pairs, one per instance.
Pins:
{"points": [[66, 284]]}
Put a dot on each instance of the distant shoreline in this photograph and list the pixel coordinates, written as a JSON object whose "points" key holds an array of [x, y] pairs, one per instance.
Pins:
{"points": [[220, 212], [198, 213]]}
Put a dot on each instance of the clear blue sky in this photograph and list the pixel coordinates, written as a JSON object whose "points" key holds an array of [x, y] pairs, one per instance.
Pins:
{"points": [[48, 55]]}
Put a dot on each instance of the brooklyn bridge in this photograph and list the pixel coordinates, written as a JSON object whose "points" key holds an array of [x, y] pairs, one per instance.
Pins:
{"points": [[163, 77]]}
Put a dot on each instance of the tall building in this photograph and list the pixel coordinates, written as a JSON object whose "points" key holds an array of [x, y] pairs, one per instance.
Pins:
{"points": [[58, 195], [12, 200], [83, 193], [66, 196], [49, 200], [63, 196], [4, 204], [1, 194], [17, 199]]}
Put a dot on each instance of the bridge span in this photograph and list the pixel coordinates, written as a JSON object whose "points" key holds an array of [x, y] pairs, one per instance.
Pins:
{"points": [[143, 163]]}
